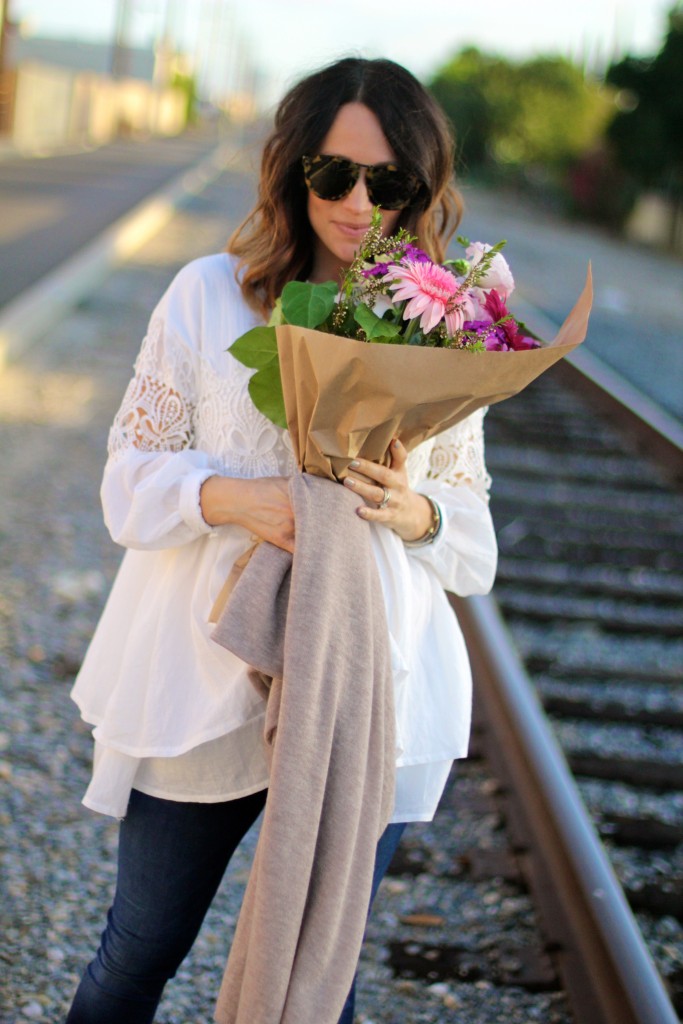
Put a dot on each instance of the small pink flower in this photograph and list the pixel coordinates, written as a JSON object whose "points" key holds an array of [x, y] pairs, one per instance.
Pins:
{"points": [[430, 289], [458, 312]]}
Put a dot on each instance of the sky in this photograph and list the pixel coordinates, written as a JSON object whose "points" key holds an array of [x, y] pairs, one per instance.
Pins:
{"points": [[287, 38]]}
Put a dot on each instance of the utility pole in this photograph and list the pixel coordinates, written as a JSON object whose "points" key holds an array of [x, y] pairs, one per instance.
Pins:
{"points": [[170, 18], [120, 57], [6, 78], [4, 22], [166, 48]]}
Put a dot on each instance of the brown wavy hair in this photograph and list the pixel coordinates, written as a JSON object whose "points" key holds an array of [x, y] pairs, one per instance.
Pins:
{"points": [[275, 242]]}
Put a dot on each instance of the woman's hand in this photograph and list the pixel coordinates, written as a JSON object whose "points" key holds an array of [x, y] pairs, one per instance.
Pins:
{"points": [[408, 513], [261, 505]]}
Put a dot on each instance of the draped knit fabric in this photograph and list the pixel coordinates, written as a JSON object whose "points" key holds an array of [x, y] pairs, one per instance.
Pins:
{"points": [[314, 624]]}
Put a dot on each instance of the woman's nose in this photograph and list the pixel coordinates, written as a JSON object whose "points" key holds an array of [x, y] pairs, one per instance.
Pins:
{"points": [[358, 198]]}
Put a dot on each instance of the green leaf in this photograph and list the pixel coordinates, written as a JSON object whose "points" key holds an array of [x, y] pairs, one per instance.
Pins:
{"points": [[308, 305], [258, 350], [265, 388], [372, 325], [386, 341], [276, 317]]}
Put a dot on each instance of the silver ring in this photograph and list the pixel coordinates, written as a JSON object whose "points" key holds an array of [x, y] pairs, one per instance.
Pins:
{"points": [[385, 500]]}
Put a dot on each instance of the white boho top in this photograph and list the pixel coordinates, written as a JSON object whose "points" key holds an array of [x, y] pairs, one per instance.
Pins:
{"points": [[174, 714]]}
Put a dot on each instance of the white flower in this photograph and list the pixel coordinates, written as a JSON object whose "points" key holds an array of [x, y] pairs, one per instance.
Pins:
{"points": [[498, 276], [382, 304]]}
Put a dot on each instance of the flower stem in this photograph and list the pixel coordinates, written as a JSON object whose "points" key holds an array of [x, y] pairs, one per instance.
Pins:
{"points": [[412, 326]]}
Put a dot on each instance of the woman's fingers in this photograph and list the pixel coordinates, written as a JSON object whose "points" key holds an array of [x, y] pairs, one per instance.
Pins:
{"points": [[268, 511], [399, 454], [378, 484], [366, 489], [376, 473]]}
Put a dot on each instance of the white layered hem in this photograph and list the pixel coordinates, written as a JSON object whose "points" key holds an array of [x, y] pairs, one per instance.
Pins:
{"points": [[210, 772]]}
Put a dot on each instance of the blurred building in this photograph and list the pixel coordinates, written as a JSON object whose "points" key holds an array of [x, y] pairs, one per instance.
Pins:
{"points": [[77, 55], [64, 92]]}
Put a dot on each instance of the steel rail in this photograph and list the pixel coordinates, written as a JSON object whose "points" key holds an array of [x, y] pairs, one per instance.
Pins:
{"points": [[656, 433], [603, 960]]}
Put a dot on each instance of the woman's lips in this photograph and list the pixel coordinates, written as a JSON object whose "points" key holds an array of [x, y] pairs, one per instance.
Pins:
{"points": [[355, 231]]}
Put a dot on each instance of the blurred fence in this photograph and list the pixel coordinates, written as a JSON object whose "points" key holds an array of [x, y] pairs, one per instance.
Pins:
{"points": [[43, 107]]}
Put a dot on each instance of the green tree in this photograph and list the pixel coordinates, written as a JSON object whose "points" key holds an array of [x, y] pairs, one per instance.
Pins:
{"points": [[464, 88], [647, 133], [544, 111], [188, 85]]}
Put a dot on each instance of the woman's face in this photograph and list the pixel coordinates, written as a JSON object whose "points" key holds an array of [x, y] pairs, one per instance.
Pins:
{"points": [[340, 224]]}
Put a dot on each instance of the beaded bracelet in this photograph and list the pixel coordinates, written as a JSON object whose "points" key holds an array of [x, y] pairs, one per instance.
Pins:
{"points": [[430, 535]]}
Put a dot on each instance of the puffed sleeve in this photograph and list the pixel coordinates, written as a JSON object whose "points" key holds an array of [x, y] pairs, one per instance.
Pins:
{"points": [[464, 553], [153, 476]]}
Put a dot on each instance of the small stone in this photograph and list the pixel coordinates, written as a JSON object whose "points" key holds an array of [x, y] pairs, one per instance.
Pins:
{"points": [[423, 920], [32, 1010], [407, 987], [73, 586]]}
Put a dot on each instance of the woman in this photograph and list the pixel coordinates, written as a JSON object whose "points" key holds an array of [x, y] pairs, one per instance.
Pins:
{"points": [[195, 472]]}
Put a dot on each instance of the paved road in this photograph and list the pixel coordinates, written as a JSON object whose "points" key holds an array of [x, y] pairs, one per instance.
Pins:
{"points": [[50, 208]]}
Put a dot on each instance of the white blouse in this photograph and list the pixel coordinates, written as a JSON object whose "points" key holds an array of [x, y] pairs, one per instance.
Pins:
{"points": [[174, 713]]}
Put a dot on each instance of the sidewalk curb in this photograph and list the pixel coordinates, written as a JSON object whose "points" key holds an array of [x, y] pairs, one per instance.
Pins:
{"points": [[28, 316]]}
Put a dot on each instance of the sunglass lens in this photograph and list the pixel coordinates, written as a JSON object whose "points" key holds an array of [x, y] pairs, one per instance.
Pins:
{"points": [[391, 188], [330, 178]]}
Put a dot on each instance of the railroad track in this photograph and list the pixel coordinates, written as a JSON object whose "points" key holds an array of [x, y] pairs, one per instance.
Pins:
{"points": [[590, 592]]}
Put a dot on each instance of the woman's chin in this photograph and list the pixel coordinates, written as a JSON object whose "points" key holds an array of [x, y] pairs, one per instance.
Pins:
{"points": [[346, 251]]}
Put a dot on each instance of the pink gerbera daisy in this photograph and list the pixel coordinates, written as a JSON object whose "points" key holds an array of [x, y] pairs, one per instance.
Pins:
{"points": [[429, 289], [460, 310]]}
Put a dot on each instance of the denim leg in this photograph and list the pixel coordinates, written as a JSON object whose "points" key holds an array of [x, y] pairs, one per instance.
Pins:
{"points": [[386, 848], [172, 857]]}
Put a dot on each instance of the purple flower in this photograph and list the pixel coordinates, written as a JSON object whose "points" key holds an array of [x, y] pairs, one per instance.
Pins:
{"points": [[403, 255], [379, 269], [493, 337], [412, 254]]}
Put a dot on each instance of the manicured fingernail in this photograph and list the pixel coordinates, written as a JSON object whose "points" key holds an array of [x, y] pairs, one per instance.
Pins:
{"points": [[349, 482], [355, 464], [396, 442], [362, 512]]}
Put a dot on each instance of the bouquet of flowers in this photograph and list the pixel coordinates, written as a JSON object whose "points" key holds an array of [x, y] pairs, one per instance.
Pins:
{"points": [[403, 348]]}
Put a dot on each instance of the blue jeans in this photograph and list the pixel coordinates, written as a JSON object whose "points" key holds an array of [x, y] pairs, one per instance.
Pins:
{"points": [[172, 857]]}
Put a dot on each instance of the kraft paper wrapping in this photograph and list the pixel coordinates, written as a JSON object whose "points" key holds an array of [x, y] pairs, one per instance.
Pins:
{"points": [[346, 398]]}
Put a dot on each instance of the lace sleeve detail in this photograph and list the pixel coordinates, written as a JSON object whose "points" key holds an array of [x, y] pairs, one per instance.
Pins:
{"points": [[157, 411], [457, 456]]}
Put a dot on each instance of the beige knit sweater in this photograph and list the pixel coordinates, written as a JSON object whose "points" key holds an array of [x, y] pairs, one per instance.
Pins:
{"points": [[313, 627]]}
